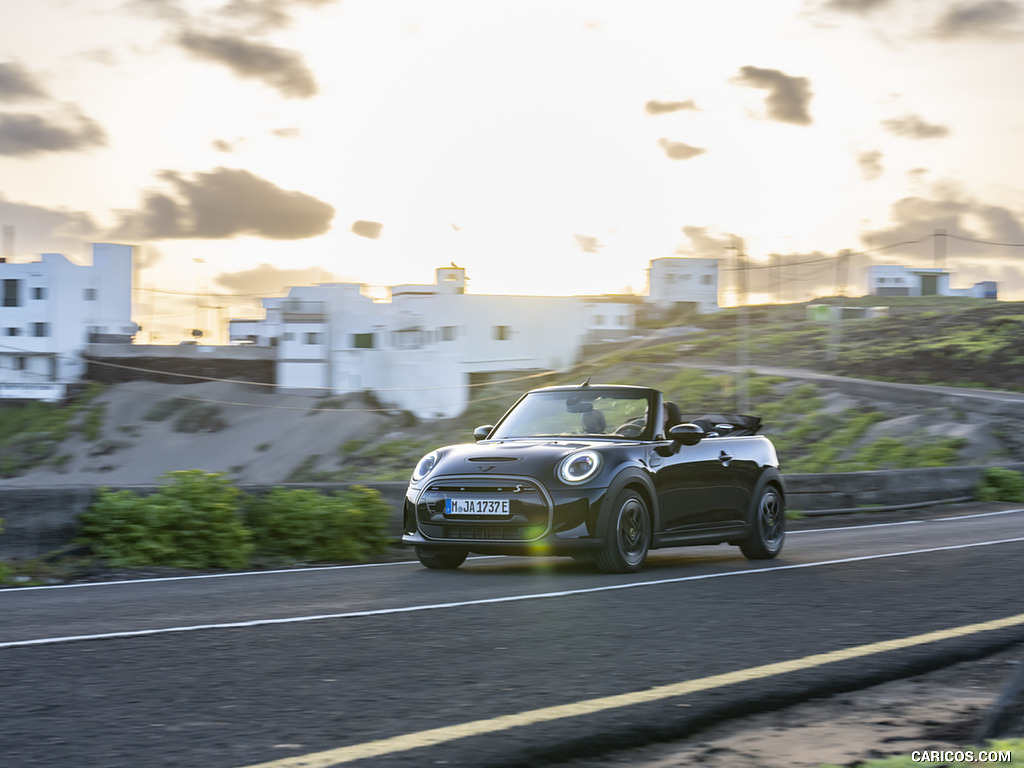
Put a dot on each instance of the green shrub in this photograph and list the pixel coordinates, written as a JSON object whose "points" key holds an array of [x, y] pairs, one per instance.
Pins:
{"points": [[195, 521], [307, 525], [197, 417], [163, 409], [191, 522], [998, 484], [93, 422]]}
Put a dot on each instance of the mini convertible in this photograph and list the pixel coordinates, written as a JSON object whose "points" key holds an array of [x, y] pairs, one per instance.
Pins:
{"points": [[601, 472]]}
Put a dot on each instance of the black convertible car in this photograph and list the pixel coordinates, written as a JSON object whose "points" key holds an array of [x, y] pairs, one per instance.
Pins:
{"points": [[601, 471]]}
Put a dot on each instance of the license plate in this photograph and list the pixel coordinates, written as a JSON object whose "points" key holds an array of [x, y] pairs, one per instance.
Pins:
{"points": [[476, 507]]}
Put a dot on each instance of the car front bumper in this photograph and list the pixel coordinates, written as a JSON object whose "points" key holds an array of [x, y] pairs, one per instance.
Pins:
{"points": [[541, 520]]}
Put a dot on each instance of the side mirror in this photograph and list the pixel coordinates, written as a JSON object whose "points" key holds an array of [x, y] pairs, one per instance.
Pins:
{"points": [[686, 434], [481, 433]]}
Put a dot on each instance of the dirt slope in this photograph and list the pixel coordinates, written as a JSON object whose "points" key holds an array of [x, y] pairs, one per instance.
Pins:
{"points": [[259, 436]]}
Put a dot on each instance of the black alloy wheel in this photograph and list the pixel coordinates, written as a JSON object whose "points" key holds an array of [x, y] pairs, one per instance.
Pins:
{"points": [[628, 537], [769, 526]]}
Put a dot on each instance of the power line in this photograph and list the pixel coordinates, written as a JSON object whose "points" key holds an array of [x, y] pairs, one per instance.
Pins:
{"points": [[589, 361], [985, 242]]}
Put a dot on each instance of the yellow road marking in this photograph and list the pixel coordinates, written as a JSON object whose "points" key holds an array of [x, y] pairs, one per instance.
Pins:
{"points": [[436, 736]]}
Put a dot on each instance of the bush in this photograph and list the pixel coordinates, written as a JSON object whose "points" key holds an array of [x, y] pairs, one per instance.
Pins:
{"points": [[195, 520], [93, 423], [998, 484], [163, 409], [191, 522], [307, 525], [200, 417]]}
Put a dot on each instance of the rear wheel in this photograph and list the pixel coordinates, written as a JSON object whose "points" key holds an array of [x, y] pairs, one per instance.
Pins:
{"points": [[769, 525], [443, 559], [628, 536]]}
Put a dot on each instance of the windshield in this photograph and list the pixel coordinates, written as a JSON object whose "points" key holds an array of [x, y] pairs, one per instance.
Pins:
{"points": [[592, 412]]}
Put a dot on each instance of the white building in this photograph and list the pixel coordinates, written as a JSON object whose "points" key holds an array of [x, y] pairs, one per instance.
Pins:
{"points": [[418, 350], [890, 280], [51, 309], [677, 280]]}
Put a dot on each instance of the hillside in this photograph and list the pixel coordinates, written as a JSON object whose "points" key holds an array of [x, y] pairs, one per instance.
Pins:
{"points": [[933, 340], [130, 434]]}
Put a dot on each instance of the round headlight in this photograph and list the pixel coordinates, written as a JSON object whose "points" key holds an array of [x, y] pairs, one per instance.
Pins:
{"points": [[579, 467], [425, 465]]}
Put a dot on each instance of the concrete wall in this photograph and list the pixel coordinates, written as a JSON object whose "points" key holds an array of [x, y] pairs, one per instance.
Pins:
{"points": [[39, 520], [898, 487], [116, 363]]}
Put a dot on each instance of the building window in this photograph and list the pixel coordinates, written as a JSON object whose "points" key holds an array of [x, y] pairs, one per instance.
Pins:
{"points": [[502, 333], [53, 369], [706, 279], [448, 333], [12, 332], [20, 362], [288, 336], [12, 293], [90, 294], [313, 338], [38, 292], [362, 341], [40, 329]]}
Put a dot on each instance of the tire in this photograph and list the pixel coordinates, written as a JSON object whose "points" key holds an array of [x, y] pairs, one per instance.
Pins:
{"points": [[628, 537], [441, 559], [768, 519]]}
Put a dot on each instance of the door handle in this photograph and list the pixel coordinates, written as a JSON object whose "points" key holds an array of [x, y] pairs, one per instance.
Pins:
{"points": [[725, 458]]}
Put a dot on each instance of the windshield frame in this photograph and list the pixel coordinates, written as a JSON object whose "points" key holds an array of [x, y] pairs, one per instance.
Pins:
{"points": [[618, 392]]}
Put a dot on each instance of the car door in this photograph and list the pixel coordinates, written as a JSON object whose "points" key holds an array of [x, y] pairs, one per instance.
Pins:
{"points": [[695, 484]]}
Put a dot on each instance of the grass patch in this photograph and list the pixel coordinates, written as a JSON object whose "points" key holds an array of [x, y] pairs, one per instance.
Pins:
{"points": [[200, 417], [161, 410]]}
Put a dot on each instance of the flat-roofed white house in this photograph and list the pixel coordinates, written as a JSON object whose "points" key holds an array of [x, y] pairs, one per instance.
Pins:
{"points": [[684, 280], [51, 309], [417, 350], [891, 280]]}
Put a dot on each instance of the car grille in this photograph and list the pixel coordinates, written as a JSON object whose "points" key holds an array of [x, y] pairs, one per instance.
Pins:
{"points": [[529, 515]]}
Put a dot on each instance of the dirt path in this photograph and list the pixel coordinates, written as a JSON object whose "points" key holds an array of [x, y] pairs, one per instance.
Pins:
{"points": [[937, 711]]}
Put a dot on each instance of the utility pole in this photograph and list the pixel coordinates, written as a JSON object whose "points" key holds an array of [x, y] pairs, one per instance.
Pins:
{"points": [[835, 319], [220, 321], [842, 270], [197, 330], [743, 348], [939, 248]]}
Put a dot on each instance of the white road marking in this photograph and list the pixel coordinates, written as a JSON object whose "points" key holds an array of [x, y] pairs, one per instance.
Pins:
{"points": [[233, 574], [495, 600]]}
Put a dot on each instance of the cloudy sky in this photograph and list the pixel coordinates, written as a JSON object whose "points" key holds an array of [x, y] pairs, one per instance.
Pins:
{"points": [[548, 147]]}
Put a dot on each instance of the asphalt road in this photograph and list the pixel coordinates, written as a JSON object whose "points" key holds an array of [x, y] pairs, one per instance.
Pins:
{"points": [[241, 670]]}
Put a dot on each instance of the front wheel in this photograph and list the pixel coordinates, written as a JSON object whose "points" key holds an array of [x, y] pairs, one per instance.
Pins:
{"points": [[769, 526], [628, 536], [442, 559]]}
